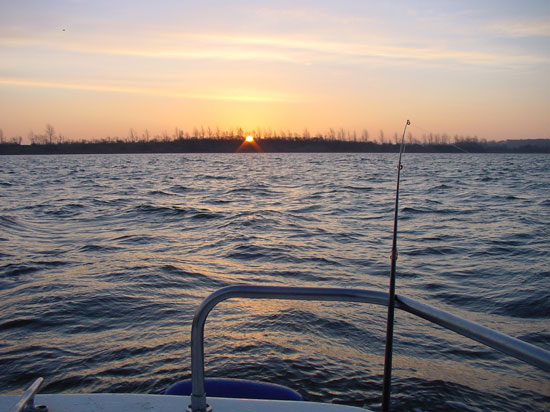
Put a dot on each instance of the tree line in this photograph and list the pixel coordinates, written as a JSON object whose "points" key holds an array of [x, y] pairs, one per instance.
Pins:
{"points": [[49, 136], [216, 140]]}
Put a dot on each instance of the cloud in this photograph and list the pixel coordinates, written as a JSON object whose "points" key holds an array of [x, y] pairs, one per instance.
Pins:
{"points": [[520, 29], [311, 50], [317, 16], [227, 95], [303, 50]]}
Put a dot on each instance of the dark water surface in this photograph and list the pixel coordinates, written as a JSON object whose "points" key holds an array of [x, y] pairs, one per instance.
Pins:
{"points": [[104, 258]]}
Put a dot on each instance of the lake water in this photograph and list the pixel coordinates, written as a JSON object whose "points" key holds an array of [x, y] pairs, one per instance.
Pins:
{"points": [[103, 260]]}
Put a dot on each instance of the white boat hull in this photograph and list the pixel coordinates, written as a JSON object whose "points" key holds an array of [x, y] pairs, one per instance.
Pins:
{"points": [[117, 402]]}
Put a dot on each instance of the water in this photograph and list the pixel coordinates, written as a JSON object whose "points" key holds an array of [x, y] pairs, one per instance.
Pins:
{"points": [[104, 258]]}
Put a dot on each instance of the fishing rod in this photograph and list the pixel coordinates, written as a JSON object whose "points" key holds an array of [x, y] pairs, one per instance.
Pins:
{"points": [[386, 390]]}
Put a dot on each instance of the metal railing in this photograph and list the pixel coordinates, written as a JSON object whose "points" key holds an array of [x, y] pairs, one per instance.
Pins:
{"points": [[521, 350]]}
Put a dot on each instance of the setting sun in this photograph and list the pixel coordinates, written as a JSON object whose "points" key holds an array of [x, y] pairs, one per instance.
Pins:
{"points": [[249, 145]]}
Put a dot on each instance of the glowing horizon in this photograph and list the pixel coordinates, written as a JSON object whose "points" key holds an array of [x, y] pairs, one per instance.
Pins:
{"points": [[466, 69]]}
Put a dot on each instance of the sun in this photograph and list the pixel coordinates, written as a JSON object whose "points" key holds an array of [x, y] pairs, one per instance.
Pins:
{"points": [[249, 145]]}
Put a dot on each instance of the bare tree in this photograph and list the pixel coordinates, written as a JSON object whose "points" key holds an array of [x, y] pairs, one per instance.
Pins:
{"points": [[177, 133], [49, 131], [341, 134], [132, 136], [37, 138]]}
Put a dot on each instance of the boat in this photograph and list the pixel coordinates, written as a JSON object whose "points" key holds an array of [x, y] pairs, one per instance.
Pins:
{"points": [[200, 394]]}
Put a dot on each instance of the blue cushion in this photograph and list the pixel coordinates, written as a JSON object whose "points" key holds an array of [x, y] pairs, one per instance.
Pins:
{"points": [[238, 388]]}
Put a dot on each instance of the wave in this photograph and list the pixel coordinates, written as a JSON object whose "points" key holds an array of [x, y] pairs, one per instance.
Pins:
{"points": [[136, 240], [174, 210], [148, 209], [428, 210], [9, 222], [35, 324], [255, 190], [17, 269], [215, 177], [357, 189], [159, 193], [439, 188], [65, 210], [180, 277], [205, 215], [432, 250], [534, 306], [179, 189], [91, 247]]}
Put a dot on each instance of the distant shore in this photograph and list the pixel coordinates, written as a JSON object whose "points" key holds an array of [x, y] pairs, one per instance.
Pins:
{"points": [[271, 145]]}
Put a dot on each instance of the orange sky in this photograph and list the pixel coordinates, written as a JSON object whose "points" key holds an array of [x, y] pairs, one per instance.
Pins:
{"points": [[96, 69]]}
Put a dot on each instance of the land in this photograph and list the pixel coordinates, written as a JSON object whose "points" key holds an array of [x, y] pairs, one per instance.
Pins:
{"points": [[269, 145]]}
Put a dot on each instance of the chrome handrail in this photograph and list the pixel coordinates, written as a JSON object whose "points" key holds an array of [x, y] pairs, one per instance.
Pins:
{"points": [[504, 343], [517, 348]]}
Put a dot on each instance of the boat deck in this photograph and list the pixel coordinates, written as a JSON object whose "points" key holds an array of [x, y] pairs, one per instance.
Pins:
{"points": [[102, 402]]}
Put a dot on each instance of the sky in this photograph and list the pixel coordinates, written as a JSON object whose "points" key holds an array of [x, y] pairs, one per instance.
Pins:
{"points": [[99, 68]]}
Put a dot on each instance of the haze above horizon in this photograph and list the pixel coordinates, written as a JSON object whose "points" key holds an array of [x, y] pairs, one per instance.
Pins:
{"points": [[96, 69]]}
